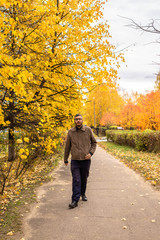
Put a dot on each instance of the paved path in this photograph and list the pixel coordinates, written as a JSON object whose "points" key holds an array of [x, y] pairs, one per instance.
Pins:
{"points": [[121, 206], [101, 139]]}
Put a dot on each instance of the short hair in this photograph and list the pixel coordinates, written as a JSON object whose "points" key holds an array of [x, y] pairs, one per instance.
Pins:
{"points": [[77, 115]]}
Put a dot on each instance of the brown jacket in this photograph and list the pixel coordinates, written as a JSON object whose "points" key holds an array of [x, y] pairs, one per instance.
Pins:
{"points": [[79, 143]]}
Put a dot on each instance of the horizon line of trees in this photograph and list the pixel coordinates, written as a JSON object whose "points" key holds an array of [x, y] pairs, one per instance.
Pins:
{"points": [[139, 111]]}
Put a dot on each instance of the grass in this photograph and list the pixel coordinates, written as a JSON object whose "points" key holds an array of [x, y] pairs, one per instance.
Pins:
{"points": [[145, 163], [13, 216], [14, 206]]}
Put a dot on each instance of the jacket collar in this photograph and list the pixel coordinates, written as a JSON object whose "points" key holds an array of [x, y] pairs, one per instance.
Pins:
{"points": [[82, 129]]}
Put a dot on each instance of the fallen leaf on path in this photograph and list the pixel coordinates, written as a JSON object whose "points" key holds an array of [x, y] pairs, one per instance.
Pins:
{"points": [[10, 233], [123, 219], [124, 227], [153, 221], [62, 189], [153, 183]]}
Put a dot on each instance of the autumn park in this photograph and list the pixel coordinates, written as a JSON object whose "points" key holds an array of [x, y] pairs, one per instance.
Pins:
{"points": [[57, 60]]}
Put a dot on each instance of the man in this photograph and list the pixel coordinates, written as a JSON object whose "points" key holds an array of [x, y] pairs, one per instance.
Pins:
{"points": [[82, 144]]}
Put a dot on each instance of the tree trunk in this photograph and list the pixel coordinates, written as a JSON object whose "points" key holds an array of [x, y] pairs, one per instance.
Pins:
{"points": [[11, 146]]}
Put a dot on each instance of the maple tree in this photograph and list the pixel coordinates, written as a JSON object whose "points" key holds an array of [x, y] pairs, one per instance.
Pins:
{"points": [[48, 60], [149, 115], [128, 114], [109, 119], [143, 114]]}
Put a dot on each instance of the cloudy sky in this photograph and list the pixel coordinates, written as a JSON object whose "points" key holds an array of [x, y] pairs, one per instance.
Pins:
{"points": [[143, 53]]}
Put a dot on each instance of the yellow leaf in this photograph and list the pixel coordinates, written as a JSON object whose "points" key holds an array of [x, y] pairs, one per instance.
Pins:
{"points": [[21, 151], [124, 227], [10, 233], [23, 156], [153, 183], [26, 139], [19, 140]]}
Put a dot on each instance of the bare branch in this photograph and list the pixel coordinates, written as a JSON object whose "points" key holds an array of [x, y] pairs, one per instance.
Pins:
{"points": [[152, 27]]}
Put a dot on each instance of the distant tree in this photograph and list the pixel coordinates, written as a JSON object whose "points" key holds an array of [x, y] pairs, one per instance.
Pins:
{"points": [[127, 117], [148, 116], [157, 82], [108, 119], [102, 100], [152, 27]]}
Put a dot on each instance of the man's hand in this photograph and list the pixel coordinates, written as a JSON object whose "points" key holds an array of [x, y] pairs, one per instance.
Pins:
{"points": [[88, 156], [66, 163]]}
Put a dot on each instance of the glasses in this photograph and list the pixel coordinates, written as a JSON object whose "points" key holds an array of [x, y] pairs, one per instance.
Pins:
{"points": [[76, 119]]}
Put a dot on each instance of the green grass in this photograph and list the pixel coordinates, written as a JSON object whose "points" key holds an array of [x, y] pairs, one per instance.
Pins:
{"points": [[145, 163]]}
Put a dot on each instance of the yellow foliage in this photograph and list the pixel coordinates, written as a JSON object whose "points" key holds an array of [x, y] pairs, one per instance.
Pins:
{"points": [[21, 151], [49, 60], [19, 140], [103, 99], [26, 139], [23, 157], [1, 116]]}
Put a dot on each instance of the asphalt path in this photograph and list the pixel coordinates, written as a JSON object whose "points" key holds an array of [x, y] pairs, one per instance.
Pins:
{"points": [[120, 206]]}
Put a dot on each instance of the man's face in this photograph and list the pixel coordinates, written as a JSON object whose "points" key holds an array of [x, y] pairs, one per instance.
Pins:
{"points": [[78, 121]]}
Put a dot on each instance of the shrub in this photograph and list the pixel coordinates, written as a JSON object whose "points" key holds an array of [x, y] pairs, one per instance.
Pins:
{"points": [[141, 141], [113, 127]]}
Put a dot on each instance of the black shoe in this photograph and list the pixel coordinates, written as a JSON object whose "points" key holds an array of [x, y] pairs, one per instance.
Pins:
{"points": [[73, 204], [84, 198]]}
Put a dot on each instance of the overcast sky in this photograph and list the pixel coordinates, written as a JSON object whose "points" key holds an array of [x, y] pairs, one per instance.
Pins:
{"points": [[142, 55]]}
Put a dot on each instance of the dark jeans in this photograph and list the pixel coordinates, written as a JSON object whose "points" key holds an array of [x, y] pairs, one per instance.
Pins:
{"points": [[80, 173]]}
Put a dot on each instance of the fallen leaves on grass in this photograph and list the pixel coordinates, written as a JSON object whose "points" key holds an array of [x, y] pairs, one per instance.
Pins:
{"points": [[146, 163], [19, 192]]}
